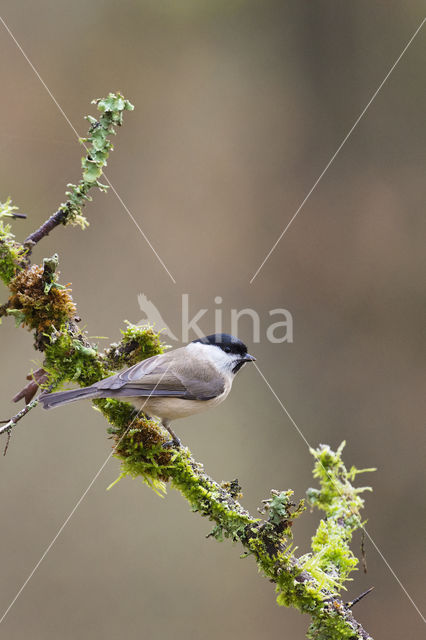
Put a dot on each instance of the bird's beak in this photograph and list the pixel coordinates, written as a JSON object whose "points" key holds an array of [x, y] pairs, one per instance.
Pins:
{"points": [[249, 358]]}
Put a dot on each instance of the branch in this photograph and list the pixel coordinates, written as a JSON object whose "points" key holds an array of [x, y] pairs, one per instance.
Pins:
{"points": [[37, 378], [9, 424], [359, 598], [310, 583], [60, 217]]}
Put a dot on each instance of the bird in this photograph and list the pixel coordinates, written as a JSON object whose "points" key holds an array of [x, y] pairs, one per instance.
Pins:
{"points": [[171, 385]]}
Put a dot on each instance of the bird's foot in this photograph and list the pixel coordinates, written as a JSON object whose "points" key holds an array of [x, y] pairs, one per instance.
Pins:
{"points": [[175, 441], [172, 443]]}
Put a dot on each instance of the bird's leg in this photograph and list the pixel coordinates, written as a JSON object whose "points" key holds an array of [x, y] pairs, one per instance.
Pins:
{"points": [[175, 440]]}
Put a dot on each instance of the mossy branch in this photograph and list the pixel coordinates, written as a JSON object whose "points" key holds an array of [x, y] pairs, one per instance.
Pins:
{"points": [[311, 583]]}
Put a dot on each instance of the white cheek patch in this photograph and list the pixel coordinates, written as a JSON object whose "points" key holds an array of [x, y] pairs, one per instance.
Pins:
{"points": [[223, 361]]}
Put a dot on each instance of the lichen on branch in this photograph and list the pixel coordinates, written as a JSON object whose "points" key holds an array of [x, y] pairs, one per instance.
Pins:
{"points": [[342, 504]]}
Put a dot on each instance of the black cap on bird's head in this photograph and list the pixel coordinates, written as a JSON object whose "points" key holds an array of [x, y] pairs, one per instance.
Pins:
{"points": [[228, 344]]}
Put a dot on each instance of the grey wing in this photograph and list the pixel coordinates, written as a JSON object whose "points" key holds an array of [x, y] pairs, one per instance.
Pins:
{"points": [[209, 385], [162, 376]]}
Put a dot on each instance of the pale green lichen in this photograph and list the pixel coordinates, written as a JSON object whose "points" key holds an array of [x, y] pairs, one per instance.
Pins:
{"points": [[279, 508], [342, 504], [98, 147]]}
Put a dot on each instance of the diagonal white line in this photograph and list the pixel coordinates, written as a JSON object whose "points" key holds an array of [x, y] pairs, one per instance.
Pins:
{"points": [[394, 575], [68, 518], [131, 216], [282, 406], [39, 77], [79, 139], [332, 479], [79, 501], [333, 157]]}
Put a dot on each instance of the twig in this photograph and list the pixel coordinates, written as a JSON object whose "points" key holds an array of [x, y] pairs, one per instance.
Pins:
{"points": [[37, 378], [56, 219], [6, 447], [9, 424], [353, 602]]}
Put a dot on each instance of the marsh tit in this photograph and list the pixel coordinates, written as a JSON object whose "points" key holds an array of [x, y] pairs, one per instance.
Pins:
{"points": [[172, 385]]}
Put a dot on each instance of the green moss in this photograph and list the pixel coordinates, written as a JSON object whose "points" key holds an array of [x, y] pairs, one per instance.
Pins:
{"points": [[119, 414], [332, 623], [209, 498], [142, 455], [137, 343], [11, 253], [38, 301], [69, 359], [342, 504], [9, 257]]}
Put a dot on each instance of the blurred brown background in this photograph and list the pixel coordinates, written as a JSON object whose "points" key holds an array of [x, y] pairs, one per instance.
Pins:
{"points": [[239, 106]]}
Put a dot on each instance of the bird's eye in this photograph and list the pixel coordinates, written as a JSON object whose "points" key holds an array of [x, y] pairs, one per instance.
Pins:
{"points": [[227, 349]]}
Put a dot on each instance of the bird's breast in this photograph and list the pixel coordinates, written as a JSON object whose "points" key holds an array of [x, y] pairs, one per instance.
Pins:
{"points": [[175, 408]]}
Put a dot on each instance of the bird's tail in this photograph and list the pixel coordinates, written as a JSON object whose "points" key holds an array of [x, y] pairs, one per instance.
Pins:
{"points": [[52, 400]]}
